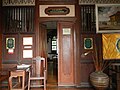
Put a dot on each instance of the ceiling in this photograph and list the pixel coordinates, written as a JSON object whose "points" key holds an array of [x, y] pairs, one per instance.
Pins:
{"points": [[51, 28], [51, 25]]}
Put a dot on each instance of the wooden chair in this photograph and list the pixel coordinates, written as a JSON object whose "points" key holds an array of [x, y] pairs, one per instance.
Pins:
{"points": [[38, 73]]}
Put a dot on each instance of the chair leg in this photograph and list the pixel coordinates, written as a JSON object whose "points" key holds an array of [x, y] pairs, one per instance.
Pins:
{"points": [[29, 84], [44, 84], [29, 81], [10, 83]]}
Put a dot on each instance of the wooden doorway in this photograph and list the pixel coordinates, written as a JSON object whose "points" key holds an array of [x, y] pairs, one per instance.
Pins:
{"points": [[64, 55], [52, 59]]}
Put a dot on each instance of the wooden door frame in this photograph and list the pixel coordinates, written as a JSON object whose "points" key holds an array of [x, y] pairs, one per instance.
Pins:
{"points": [[42, 20], [76, 20]]}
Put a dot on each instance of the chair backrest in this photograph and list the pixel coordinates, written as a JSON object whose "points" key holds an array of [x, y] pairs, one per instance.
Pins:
{"points": [[38, 66]]}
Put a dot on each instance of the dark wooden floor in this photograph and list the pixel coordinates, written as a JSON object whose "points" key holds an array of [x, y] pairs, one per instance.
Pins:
{"points": [[55, 88], [52, 80], [62, 88]]}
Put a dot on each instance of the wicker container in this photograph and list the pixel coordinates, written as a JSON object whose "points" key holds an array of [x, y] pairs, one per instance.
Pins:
{"points": [[99, 79]]}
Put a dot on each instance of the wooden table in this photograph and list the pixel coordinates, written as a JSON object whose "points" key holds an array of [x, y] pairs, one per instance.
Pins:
{"points": [[20, 75]]}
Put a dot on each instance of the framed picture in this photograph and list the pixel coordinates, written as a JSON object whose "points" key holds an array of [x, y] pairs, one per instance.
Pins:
{"points": [[111, 46], [10, 43], [88, 43], [54, 48], [54, 42], [107, 18]]}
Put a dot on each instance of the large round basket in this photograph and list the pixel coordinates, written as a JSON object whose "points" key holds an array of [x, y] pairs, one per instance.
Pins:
{"points": [[99, 79]]}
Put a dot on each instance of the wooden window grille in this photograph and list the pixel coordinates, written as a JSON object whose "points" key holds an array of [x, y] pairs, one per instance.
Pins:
{"points": [[88, 18], [18, 19]]}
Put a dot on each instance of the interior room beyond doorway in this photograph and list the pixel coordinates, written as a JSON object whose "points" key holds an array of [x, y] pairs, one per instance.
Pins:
{"points": [[52, 59]]}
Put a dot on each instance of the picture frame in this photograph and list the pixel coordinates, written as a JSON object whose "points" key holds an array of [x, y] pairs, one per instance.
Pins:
{"points": [[10, 43], [54, 42], [54, 48], [88, 43], [107, 18], [111, 46]]}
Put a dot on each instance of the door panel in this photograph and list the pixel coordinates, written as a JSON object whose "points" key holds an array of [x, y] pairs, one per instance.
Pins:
{"points": [[65, 57], [43, 42]]}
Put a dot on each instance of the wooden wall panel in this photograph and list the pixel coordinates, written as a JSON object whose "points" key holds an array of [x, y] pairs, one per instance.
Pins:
{"points": [[36, 27], [22, 47], [86, 69], [86, 62], [17, 55], [77, 45]]}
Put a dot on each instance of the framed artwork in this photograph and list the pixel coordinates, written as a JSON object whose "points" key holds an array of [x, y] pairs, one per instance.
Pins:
{"points": [[107, 18], [88, 43], [27, 40], [54, 48], [10, 43], [54, 42], [111, 46], [66, 31], [27, 53]]}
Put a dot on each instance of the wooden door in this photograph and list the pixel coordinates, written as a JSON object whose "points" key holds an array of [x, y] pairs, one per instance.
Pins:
{"points": [[65, 54], [43, 42]]}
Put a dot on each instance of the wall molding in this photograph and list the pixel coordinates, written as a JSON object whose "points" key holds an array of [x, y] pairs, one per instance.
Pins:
{"points": [[84, 84], [99, 1], [18, 2]]}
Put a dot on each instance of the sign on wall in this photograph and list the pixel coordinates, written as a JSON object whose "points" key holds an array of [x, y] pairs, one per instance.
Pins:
{"points": [[10, 45], [88, 43], [57, 10]]}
